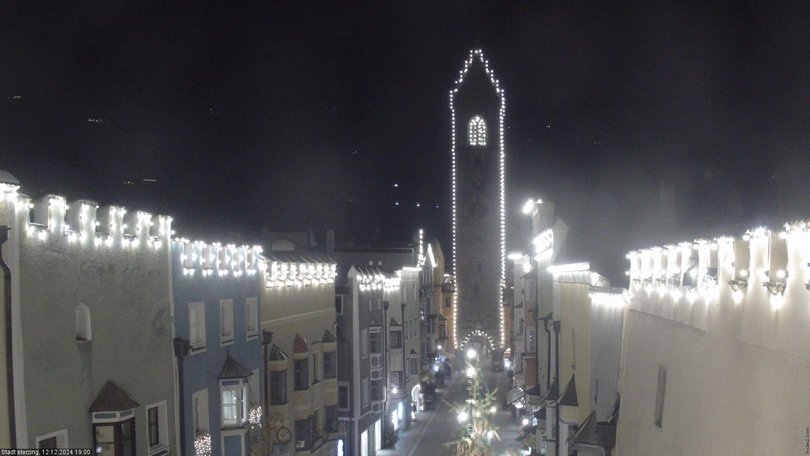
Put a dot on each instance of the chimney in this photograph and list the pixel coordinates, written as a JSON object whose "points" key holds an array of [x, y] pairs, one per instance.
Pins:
{"points": [[543, 216], [330, 241]]}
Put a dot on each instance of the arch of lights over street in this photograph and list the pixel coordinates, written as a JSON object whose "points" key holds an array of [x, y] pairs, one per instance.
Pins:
{"points": [[465, 144]]}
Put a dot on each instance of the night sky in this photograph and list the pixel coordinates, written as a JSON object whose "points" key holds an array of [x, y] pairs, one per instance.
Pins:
{"points": [[646, 123]]}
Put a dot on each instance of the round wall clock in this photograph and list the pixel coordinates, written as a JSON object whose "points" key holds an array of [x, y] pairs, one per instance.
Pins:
{"points": [[283, 435]]}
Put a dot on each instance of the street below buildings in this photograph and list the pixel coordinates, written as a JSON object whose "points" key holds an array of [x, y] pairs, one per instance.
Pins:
{"points": [[433, 429]]}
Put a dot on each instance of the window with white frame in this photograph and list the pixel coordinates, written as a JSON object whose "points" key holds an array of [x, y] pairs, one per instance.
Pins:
{"points": [[58, 439], [114, 436], [316, 367], [301, 367], [365, 392], [303, 434], [278, 387], [329, 364], [374, 340], [396, 338], [376, 390], [196, 325], [253, 384], [477, 130], [364, 343], [83, 328], [235, 397], [199, 407], [252, 315], [226, 320], [157, 428], [343, 397]]}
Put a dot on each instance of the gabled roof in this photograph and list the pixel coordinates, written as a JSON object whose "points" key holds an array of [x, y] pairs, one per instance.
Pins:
{"points": [[299, 257], [413, 352], [569, 395], [112, 398], [328, 337], [300, 344], [534, 390], [393, 322], [277, 354], [232, 369]]}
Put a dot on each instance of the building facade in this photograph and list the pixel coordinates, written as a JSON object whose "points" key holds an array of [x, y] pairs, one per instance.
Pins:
{"points": [[215, 290], [477, 108], [301, 361], [91, 339], [715, 348]]}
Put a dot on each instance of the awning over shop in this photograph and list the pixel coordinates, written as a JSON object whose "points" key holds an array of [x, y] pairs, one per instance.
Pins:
{"points": [[514, 395], [595, 435]]}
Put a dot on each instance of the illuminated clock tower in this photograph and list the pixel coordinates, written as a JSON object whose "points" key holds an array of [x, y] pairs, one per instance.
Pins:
{"points": [[477, 108]]}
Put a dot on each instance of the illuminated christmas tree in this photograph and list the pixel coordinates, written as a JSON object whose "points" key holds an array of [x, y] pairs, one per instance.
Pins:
{"points": [[475, 415]]}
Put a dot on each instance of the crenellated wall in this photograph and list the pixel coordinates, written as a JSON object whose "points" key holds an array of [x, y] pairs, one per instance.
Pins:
{"points": [[90, 305], [727, 320]]}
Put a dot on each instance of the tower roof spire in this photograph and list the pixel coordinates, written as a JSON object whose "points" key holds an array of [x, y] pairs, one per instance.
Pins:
{"points": [[477, 54]]}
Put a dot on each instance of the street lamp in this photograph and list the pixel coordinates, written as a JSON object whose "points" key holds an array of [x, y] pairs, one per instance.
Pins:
{"points": [[471, 354], [463, 416]]}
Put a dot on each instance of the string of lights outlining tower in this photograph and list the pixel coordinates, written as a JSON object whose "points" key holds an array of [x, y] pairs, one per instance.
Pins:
{"points": [[478, 54]]}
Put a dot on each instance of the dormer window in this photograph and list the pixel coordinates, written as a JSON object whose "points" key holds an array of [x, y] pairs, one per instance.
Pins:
{"points": [[477, 131]]}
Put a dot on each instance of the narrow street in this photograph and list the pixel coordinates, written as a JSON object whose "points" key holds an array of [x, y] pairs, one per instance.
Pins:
{"points": [[434, 429]]}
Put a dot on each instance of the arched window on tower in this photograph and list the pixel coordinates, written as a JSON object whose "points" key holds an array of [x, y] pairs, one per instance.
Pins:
{"points": [[477, 131]]}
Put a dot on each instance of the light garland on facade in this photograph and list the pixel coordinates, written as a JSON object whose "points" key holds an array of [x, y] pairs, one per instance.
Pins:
{"points": [[202, 445], [281, 274], [80, 223], [609, 299], [477, 53], [226, 260], [673, 270]]}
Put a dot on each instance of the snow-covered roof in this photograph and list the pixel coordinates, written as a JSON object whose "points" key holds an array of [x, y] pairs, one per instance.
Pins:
{"points": [[7, 178]]}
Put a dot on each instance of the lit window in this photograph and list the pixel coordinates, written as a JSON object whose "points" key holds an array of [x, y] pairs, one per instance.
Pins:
{"points": [[477, 131], [234, 404]]}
